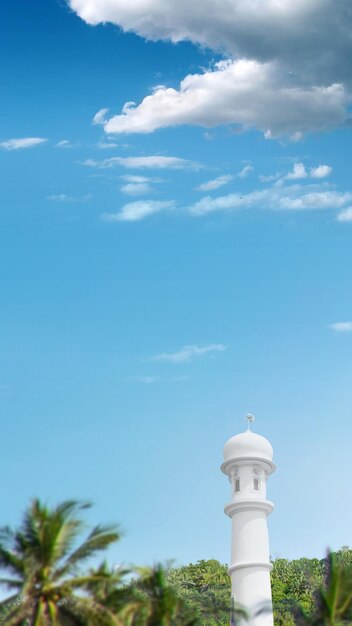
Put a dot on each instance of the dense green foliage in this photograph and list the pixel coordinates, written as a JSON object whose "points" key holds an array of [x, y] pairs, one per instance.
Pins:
{"points": [[206, 586], [43, 565], [303, 590]]}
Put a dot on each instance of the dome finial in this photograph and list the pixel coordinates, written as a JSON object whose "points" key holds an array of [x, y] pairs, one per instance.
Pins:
{"points": [[250, 419]]}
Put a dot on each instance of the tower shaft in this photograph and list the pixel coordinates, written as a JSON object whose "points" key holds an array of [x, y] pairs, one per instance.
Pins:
{"points": [[250, 560], [248, 463]]}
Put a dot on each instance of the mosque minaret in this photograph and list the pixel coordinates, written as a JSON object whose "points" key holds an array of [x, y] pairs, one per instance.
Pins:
{"points": [[248, 462]]}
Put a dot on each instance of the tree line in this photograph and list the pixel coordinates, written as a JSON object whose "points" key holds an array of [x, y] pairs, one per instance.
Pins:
{"points": [[44, 568]]}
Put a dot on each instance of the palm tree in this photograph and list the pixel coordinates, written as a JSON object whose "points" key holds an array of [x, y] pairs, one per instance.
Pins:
{"points": [[40, 563], [109, 588]]}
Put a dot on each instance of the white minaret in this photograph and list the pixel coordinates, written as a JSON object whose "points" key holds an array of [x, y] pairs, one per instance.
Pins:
{"points": [[248, 463]]}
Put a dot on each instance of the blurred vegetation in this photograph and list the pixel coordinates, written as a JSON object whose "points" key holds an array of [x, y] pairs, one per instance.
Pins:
{"points": [[43, 567]]}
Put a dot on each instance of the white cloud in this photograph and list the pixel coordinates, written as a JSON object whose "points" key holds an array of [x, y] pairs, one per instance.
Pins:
{"points": [[144, 162], [322, 171], [310, 38], [188, 353], [107, 145], [307, 42], [341, 327], [150, 380], [299, 171], [220, 181], [315, 200], [100, 117], [136, 189], [63, 197], [136, 211], [241, 92], [64, 143], [345, 215], [245, 171], [270, 178], [133, 178], [292, 198], [215, 183], [19, 144]]}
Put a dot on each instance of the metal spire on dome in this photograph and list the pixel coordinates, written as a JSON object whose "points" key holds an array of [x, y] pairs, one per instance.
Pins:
{"points": [[250, 419]]}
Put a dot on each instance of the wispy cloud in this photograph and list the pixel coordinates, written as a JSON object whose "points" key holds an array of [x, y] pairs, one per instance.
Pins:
{"points": [[134, 178], [20, 144], [136, 189], [63, 197], [220, 181], [144, 162], [144, 380], [100, 117], [215, 183], [345, 215], [270, 178], [188, 353], [64, 143], [290, 198], [151, 380], [341, 327], [107, 145], [245, 171], [136, 211]]}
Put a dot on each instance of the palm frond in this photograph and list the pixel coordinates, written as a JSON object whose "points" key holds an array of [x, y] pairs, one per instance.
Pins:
{"points": [[100, 538]]}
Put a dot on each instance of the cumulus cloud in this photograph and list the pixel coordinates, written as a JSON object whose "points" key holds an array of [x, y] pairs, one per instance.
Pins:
{"points": [[242, 92], [188, 353], [307, 42], [215, 183], [310, 36], [136, 211], [292, 198], [322, 171], [345, 215], [341, 327], [144, 162], [20, 144], [299, 171]]}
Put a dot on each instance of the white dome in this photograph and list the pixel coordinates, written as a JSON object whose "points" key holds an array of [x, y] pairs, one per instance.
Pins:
{"points": [[248, 445]]}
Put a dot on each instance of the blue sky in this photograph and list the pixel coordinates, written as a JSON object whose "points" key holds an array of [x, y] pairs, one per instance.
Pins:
{"points": [[174, 266]]}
